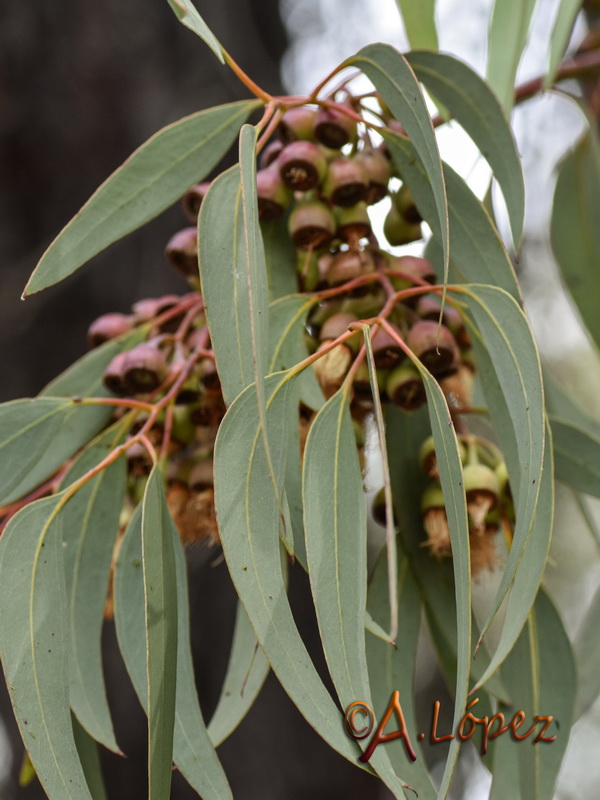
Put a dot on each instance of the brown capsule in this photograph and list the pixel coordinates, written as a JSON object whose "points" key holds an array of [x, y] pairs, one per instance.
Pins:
{"points": [[271, 153], [272, 194], [378, 172], [335, 326], [405, 387], [138, 460], [114, 375], [435, 522], [107, 327], [349, 264], [302, 166], [405, 204], [333, 128], [399, 231], [311, 225], [387, 353], [435, 346], [201, 476], [353, 223], [145, 368], [150, 307], [297, 123], [346, 182], [181, 251], [192, 200], [428, 307], [332, 367]]}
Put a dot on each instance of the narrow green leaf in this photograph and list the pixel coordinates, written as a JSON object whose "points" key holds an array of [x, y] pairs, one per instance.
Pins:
{"points": [[335, 524], [90, 761], [587, 650], [90, 526], [192, 750], [566, 14], [248, 509], [512, 384], [530, 570], [392, 668], [187, 14], [577, 457], [509, 28], [419, 23], [37, 436], [393, 77], [478, 254], [469, 99], [34, 645], [538, 690], [151, 179], [566, 406], [160, 594], [575, 227], [451, 479], [280, 257], [246, 673]]}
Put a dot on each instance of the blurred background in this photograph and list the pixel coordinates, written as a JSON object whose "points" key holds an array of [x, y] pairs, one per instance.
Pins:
{"points": [[79, 91]]}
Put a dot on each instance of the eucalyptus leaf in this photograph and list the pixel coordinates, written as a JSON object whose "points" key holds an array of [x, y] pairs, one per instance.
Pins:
{"points": [[575, 227], [246, 673], [509, 28], [280, 258], [393, 77], [419, 23], [90, 761], [587, 651], [34, 645], [474, 106], [566, 14], [577, 457], [392, 668], [148, 182], [37, 436], [478, 254], [187, 14], [90, 526], [192, 750]]}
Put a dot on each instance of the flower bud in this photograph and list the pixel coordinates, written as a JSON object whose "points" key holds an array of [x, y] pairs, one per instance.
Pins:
{"points": [[435, 346], [192, 200], [346, 182], [311, 225], [145, 368], [333, 128], [405, 388], [107, 327], [181, 251], [302, 166]]}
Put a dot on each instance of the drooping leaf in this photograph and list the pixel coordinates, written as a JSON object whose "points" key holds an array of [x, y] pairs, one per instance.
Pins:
{"points": [[577, 457], [512, 385], [587, 651], [335, 524], [537, 690], [246, 673], [160, 596], [90, 526], [34, 645], [90, 761], [234, 283], [248, 510], [187, 14], [392, 668], [151, 179], [566, 406], [192, 749], [394, 79], [469, 99], [478, 254], [507, 38], [575, 227], [419, 23], [37, 436], [566, 14], [530, 570]]}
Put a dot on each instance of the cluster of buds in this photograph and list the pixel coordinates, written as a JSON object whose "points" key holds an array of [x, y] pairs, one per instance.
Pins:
{"points": [[489, 501]]}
